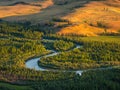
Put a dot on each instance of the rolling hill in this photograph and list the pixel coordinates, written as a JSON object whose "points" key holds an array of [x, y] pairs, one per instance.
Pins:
{"points": [[94, 18], [19, 7], [85, 17]]}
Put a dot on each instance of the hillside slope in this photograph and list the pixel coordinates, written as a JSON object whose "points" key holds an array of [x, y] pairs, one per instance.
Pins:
{"points": [[22, 7], [56, 8], [94, 18], [84, 17]]}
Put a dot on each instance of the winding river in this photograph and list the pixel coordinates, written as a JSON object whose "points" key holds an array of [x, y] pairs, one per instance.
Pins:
{"points": [[33, 64]]}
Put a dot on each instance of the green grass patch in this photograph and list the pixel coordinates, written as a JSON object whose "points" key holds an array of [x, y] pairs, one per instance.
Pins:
{"points": [[7, 86]]}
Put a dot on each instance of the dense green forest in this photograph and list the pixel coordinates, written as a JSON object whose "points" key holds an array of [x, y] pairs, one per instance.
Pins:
{"points": [[58, 45], [22, 41], [16, 47], [62, 45], [91, 80], [90, 55]]}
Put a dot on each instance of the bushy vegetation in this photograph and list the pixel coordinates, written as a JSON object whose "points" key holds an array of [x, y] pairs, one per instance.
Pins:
{"points": [[91, 55], [62, 45], [92, 80], [21, 41], [15, 48], [83, 39]]}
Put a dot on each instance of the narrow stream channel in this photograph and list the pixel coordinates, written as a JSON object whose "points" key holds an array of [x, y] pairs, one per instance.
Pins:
{"points": [[33, 64]]}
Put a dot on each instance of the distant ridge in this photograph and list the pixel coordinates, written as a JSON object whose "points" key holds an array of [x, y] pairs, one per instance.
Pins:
{"points": [[16, 3], [22, 3]]}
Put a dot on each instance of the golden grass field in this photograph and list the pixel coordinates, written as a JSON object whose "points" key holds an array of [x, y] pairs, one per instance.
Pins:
{"points": [[21, 9], [84, 20], [45, 14]]}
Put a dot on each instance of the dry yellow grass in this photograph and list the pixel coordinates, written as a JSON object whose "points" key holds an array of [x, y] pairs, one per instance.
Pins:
{"points": [[46, 14], [21, 9], [85, 19]]}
